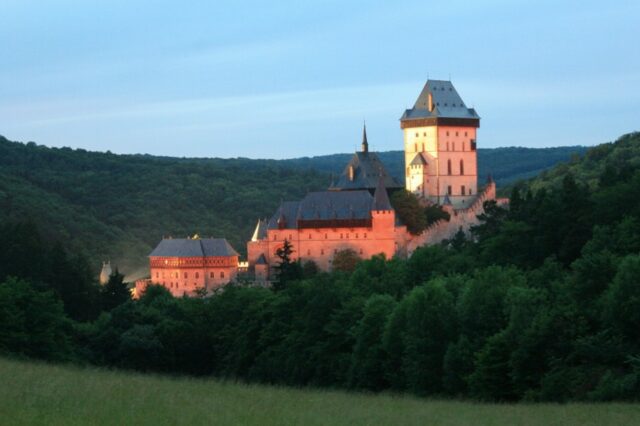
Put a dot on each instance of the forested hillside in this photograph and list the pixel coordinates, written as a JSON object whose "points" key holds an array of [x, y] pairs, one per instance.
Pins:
{"points": [[118, 207], [505, 165], [542, 304]]}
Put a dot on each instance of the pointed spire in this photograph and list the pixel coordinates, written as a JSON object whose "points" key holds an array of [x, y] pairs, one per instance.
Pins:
{"points": [[446, 201], [380, 197], [365, 143]]}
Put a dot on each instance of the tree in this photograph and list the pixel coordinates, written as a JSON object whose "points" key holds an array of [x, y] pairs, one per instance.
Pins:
{"points": [[368, 357], [114, 292], [345, 260], [409, 211], [32, 322], [286, 269]]}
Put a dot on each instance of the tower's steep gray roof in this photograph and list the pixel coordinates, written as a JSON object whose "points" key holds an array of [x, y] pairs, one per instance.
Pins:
{"points": [[367, 169], [196, 247], [447, 103]]}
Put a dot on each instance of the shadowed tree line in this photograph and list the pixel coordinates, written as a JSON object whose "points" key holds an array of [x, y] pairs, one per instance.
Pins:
{"points": [[543, 304]]}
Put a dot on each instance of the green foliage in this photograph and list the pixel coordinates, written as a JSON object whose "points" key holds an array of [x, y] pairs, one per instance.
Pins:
{"points": [[286, 269], [414, 215], [115, 292], [32, 322], [345, 260], [541, 304]]}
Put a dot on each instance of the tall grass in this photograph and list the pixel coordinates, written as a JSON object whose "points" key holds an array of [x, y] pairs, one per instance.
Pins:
{"points": [[34, 393]]}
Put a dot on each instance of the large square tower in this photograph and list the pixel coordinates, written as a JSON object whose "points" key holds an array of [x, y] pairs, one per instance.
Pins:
{"points": [[440, 146]]}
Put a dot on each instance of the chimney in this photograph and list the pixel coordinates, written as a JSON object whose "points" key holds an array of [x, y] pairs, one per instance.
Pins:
{"points": [[430, 106]]}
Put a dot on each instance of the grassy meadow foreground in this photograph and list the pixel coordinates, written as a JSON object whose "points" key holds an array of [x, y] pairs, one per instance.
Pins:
{"points": [[32, 393]]}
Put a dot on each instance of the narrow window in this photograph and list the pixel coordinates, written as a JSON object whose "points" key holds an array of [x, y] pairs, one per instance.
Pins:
{"points": [[447, 133], [456, 133], [453, 146], [309, 236], [462, 191], [447, 146], [425, 134], [321, 251], [185, 275], [365, 235], [415, 147], [211, 275], [221, 274], [449, 167], [449, 190], [463, 146], [469, 191], [274, 237], [417, 134], [360, 251], [157, 274], [461, 167], [326, 236], [308, 252]]}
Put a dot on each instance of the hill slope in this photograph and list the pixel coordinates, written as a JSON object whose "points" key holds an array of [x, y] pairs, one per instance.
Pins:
{"points": [[54, 395], [119, 206]]}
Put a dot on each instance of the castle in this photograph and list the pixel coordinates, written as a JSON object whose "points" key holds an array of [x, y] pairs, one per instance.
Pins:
{"points": [[354, 213]]}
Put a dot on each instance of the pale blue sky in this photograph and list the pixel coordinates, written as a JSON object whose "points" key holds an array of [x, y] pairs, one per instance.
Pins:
{"points": [[294, 78]]}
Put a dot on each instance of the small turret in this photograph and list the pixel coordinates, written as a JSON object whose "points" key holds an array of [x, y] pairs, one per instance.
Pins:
{"points": [[381, 198], [105, 273], [365, 143]]}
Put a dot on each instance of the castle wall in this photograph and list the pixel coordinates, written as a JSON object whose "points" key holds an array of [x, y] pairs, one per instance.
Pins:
{"points": [[460, 219]]}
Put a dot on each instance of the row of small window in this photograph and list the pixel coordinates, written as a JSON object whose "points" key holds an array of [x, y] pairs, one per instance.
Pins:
{"points": [[186, 275], [466, 134], [463, 190], [176, 285], [335, 251], [447, 146], [326, 236]]}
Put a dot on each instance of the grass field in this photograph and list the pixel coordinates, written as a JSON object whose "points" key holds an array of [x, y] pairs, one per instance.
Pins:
{"points": [[32, 393]]}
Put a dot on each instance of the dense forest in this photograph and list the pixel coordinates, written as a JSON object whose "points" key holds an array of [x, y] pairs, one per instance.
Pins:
{"points": [[118, 207], [542, 304]]}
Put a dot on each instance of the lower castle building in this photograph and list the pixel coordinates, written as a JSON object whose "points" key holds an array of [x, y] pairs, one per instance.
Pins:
{"points": [[186, 266]]}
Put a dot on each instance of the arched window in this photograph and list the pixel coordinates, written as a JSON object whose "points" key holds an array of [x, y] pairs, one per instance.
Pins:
{"points": [[197, 275], [461, 167], [221, 274], [449, 167]]}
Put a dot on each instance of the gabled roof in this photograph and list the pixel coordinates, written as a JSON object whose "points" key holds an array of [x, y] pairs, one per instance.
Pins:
{"points": [[446, 103], [329, 206], [187, 247], [419, 160], [367, 169]]}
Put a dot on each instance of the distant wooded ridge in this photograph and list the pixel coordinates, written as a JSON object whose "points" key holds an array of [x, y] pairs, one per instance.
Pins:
{"points": [[118, 207]]}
